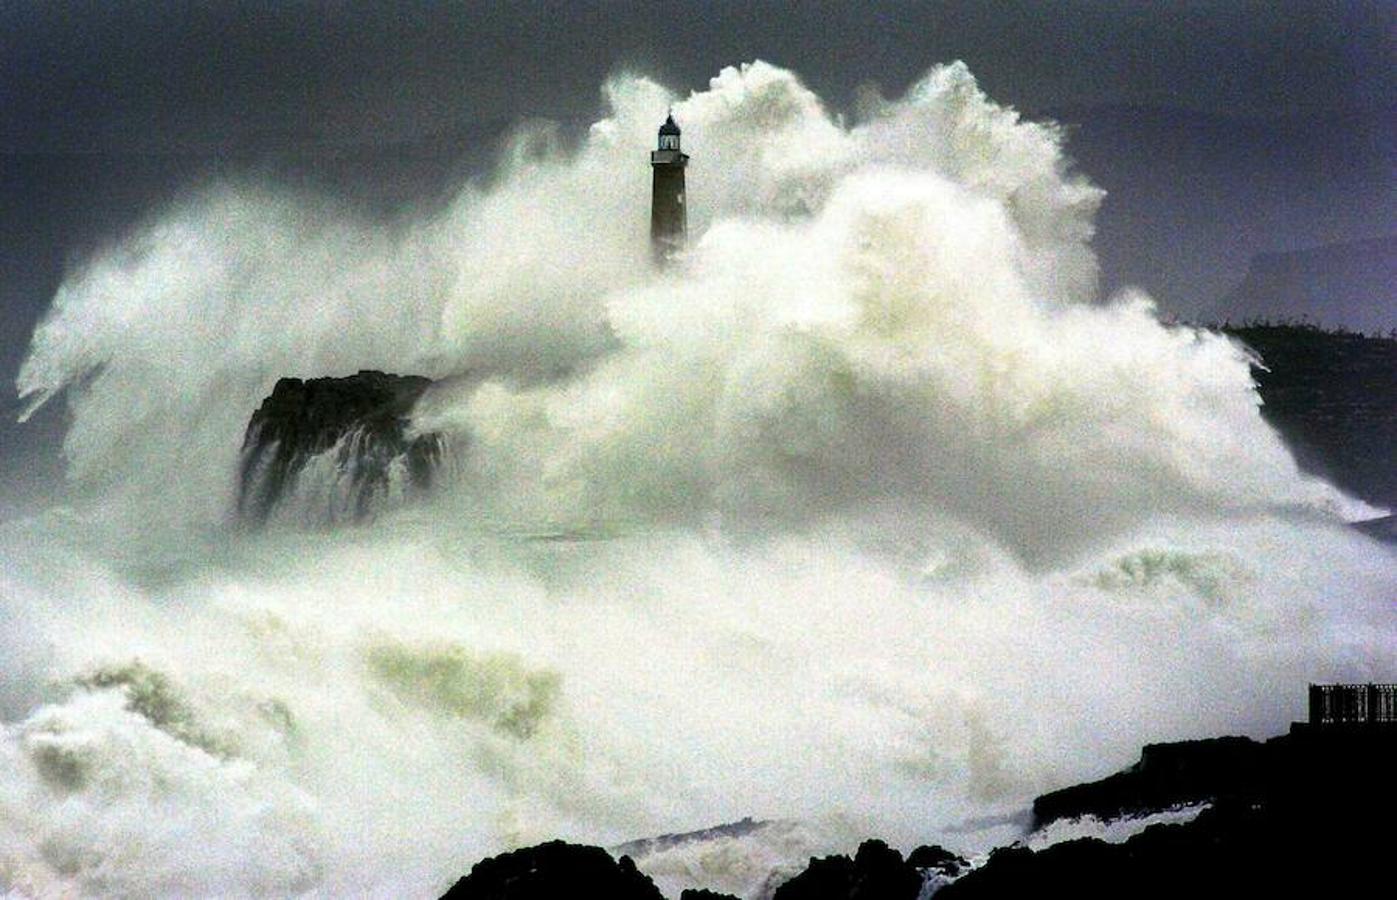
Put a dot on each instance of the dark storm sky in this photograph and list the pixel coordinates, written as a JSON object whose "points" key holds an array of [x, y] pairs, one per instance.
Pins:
{"points": [[157, 75], [1220, 128]]}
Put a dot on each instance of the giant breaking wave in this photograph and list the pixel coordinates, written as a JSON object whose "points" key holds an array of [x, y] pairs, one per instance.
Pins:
{"points": [[871, 516]]}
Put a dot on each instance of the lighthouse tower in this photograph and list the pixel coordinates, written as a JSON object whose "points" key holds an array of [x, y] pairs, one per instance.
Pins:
{"points": [[668, 218]]}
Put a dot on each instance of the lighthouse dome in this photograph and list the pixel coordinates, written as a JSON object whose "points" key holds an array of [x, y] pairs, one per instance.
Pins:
{"points": [[670, 126]]}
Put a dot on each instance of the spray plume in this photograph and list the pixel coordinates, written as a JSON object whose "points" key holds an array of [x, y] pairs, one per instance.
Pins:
{"points": [[848, 514]]}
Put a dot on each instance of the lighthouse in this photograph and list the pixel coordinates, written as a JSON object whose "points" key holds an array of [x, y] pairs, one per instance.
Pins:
{"points": [[668, 218]]}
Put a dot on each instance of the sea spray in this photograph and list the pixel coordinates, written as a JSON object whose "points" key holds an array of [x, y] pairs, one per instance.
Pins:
{"points": [[869, 515]]}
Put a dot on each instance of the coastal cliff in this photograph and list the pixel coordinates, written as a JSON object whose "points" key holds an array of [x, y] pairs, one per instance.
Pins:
{"points": [[1332, 395], [1298, 815]]}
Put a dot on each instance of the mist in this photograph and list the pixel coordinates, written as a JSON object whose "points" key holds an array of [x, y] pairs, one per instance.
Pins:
{"points": [[870, 515]]}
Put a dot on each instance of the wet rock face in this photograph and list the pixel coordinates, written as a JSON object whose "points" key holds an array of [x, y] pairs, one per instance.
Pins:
{"points": [[333, 449], [552, 870], [1301, 815]]}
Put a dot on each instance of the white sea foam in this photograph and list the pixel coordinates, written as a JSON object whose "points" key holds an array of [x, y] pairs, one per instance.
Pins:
{"points": [[1113, 831], [870, 516]]}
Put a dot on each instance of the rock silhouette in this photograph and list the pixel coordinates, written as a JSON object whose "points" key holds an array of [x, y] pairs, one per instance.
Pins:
{"points": [[877, 872], [1304, 814], [1299, 815], [552, 870]]}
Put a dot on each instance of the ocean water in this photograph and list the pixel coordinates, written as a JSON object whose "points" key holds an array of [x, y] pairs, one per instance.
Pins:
{"points": [[869, 517]]}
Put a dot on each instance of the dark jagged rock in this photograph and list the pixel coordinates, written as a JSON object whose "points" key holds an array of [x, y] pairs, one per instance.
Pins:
{"points": [[704, 894], [361, 421], [1333, 398], [877, 872], [1305, 814], [1310, 818], [1166, 776], [552, 870], [937, 859], [1229, 851]]}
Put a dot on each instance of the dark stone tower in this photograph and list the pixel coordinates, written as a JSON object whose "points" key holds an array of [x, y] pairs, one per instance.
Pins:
{"points": [[668, 218]]}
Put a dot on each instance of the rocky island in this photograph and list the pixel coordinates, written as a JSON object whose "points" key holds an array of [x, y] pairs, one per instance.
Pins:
{"points": [[338, 445]]}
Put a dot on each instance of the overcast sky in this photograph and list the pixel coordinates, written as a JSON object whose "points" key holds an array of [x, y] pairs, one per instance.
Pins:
{"points": [[157, 74]]}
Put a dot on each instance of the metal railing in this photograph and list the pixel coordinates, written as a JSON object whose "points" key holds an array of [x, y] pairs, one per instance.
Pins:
{"points": [[1353, 704]]}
